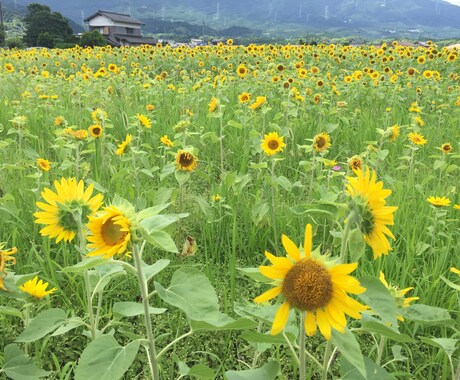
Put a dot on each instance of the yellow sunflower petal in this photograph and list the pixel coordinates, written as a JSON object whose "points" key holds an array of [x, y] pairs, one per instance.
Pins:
{"points": [[291, 249], [307, 240], [323, 323], [281, 318], [268, 295], [310, 323]]}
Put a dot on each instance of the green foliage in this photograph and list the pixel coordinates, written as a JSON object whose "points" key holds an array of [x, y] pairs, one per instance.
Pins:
{"points": [[46, 27], [93, 38], [18, 366]]}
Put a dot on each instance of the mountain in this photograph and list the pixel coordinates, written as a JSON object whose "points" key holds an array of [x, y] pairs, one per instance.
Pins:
{"points": [[272, 16]]}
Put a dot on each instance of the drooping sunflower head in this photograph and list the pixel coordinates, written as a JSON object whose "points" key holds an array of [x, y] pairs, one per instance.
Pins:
{"points": [[99, 115], [5, 257], [393, 132], [213, 104], [398, 295], [110, 231], [124, 145], [439, 201], [272, 143], [321, 142], [44, 165], [36, 288], [370, 213], [95, 130], [68, 206], [312, 284], [166, 141], [186, 161]]}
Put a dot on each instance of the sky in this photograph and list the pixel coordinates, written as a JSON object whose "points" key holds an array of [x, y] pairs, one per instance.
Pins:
{"points": [[456, 2]]}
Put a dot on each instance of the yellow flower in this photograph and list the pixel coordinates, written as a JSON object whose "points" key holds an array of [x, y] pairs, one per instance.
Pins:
{"points": [[70, 201], [457, 207], [272, 143], [417, 138], [321, 142], [260, 100], [213, 104], [36, 288], [80, 134], [242, 71], [393, 132], [216, 198], [244, 97], [373, 216], [455, 270], [43, 164], [313, 285], [9, 67], [355, 162], [144, 120], [398, 295], [439, 201], [59, 120], [414, 108], [166, 141], [446, 148], [185, 161], [122, 147], [149, 107], [419, 121], [5, 256], [95, 130], [99, 115], [110, 232]]}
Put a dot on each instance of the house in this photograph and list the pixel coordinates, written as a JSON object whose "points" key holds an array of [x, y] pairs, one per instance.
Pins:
{"points": [[119, 29]]}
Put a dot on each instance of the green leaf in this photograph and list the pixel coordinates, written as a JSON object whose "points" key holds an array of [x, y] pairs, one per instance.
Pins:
{"points": [[380, 300], [356, 245], [261, 165], [268, 371], [258, 338], [326, 209], [223, 323], [449, 346], [86, 263], [375, 326], [152, 270], [105, 359], [44, 323], [349, 348], [152, 211], [132, 309], [162, 240], [373, 371], [450, 283], [199, 306], [10, 311], [254, 274], [20, 367], [265, 313], [201, 372], [182, 176], [160, 222], [427, 314], [70, 324], [204, 206], [284, 183], [258, 211], [235, 124]]}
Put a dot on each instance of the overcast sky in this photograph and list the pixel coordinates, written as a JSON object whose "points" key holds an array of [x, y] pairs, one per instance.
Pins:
{"points": [[456, 2]]}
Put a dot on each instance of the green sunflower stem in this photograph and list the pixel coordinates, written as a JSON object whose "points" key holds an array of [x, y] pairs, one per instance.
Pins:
{"points": [[327, 354], [302, 365], [380, 349], [346, 233], [312, 175], [274, 196], [137, 254]]}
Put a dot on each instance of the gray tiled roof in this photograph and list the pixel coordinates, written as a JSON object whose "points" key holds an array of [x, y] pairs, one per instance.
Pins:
{"points": [[120, 17]]}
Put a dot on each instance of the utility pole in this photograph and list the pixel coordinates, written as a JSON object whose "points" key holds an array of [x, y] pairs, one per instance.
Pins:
{"points": [[2, 26], [217, 11], [203, 32]]}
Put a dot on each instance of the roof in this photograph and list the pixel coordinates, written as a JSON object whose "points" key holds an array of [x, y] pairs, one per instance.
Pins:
{"points": [[120, 17], [115, 40]]}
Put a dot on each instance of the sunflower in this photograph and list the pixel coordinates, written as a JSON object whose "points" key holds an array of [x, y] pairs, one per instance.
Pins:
{"points": [[166, 141], [110, 232], [446, 148], [149, 107], [439, 201], [213, 104], [260, 100], [455, 270], [122, 147], [95, 130], [244, 97], [355, 162], [419, 121], [5, 256], [310, 283], [36, 288], [70, 200], [373, 216], [417, 138], [144, 120], [398, 295], [321, 142], [185, 161], [272, 143], [9, 67], [99, 115], [59, 120], [393, 132], [43, 165], [242, 71]]}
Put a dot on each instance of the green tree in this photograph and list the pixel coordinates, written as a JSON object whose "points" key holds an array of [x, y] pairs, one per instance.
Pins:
{"points": [[93, 38], [41, 20], [2, 36]]}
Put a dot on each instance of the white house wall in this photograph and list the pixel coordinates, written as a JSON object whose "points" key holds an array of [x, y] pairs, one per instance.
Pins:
{"points": [[99, 21]]}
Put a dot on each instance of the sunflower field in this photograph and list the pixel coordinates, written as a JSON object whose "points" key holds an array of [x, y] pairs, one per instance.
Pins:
{"points": [[230, 212]]}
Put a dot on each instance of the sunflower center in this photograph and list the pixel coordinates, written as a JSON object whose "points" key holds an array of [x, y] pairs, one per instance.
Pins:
{"points": [[320, 142], [273, 144], [307, 285], [96, 131], [186, 159], [112, 233]]}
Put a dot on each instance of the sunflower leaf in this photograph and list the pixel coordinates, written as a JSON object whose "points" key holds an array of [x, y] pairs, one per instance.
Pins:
{"points": [[43, 324], [19, 366], [349, 348], [268, 371]]}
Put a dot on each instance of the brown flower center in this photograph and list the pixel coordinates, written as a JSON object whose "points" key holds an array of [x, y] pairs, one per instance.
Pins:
{"points": [[112, 233], [273, 144], [186, 159], [320, 142], [307, 285]]}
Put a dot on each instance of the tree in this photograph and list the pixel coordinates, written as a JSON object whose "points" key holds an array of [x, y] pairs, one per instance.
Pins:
{"points": [[41, 20], [93, 38]]}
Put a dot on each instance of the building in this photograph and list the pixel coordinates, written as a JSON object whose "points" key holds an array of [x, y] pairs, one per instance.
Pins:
{"points": [[118, 29]]}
